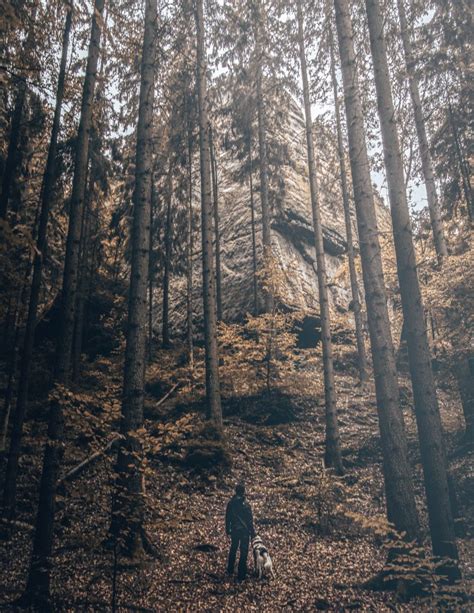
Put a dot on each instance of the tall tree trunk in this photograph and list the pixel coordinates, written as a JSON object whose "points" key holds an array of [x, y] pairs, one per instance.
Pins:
{"points": [[12, 151], [430, 430], [216, 224], [7, 323], [167, 263], [426, 162], [13, 351], [332, 456], [463, 165], [254, 236], [359, 329], [7, 402], [150, 271], [464, 372], [82, 286], [401, 508], [37, 589], [128, 511], [214, 409], [9, 493], [263, 167], [189, 257], [13, 154]]}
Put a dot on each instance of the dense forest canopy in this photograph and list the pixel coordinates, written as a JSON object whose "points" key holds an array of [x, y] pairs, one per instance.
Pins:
{"points": [[236, 248]]}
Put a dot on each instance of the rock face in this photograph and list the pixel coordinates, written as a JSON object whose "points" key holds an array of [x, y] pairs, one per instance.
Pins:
{"points": [[292, 233]]}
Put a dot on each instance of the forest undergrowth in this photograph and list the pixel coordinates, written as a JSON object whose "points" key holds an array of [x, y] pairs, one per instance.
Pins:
{"points": [[308, 517]]}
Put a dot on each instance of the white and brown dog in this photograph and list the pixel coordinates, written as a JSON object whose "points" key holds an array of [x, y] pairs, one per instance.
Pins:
{"points": [[262, 560]]}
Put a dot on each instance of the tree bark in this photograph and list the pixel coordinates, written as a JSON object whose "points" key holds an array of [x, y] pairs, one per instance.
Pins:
{"points": [[217, 235], [38, 584], [463, 165], [189, 256], [263, 166], [464, 372], [150, 272], [426, 161], [254, 237], [359, 329], [13, 154], [12, 151], [165, 330], [128, 507], [401, 508], [9, 493], [213, 395], [332, 456], [430, 430], [82, 284], [13, 354]]}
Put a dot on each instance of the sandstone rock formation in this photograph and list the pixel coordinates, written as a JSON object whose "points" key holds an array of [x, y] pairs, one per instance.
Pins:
{"points": [[292, 234]]}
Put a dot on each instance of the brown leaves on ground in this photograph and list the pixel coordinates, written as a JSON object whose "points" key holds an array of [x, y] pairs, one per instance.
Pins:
{"points": [[320, 556]]}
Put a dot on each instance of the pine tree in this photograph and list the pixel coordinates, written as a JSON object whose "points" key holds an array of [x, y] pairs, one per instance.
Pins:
{"points": [[254, 238], [168, 243], [9, 493], [215, 194], [401, 508], [128, 508], [189, 250], [13, 154], [423, 144], [262, 146], [430, 430], [214, 409], [332, 456], [361, 352], [38, 585]]}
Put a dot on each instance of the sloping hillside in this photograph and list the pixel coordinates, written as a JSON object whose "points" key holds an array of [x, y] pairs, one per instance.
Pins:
{"points": [[320, 552]]}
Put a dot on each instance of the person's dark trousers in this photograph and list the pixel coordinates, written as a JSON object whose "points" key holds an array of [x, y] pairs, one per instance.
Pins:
{"points": [[242, 540]]}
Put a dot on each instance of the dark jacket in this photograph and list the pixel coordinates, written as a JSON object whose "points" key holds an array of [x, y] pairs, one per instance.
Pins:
{"points": [[238, 517]]}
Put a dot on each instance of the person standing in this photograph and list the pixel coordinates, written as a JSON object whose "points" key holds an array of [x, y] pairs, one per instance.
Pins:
{"points": [[239, 526]]}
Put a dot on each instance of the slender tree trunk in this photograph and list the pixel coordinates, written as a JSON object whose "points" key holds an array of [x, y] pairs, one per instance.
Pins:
{"points": [[71, 267], [7, 324], [263, 167], [189, 258], [150, 272], [216, 224], [254, 237], [430, 430], [89, 225], [38, 585], [359, 329], [332, 456], [12, 365], [426, 162], [7, 403], [82, 288], [167, 263], [401, 508], [128, 512], [9, 493], [13, 154], [463, 165], [214, 409], [464, 372]]}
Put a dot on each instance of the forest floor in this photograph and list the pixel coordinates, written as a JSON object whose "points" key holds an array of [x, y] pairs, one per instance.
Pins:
{"points": [[306, 516]]}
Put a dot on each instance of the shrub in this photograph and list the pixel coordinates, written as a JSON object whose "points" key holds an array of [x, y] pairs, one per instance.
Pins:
{"points": [[207, 451]]}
